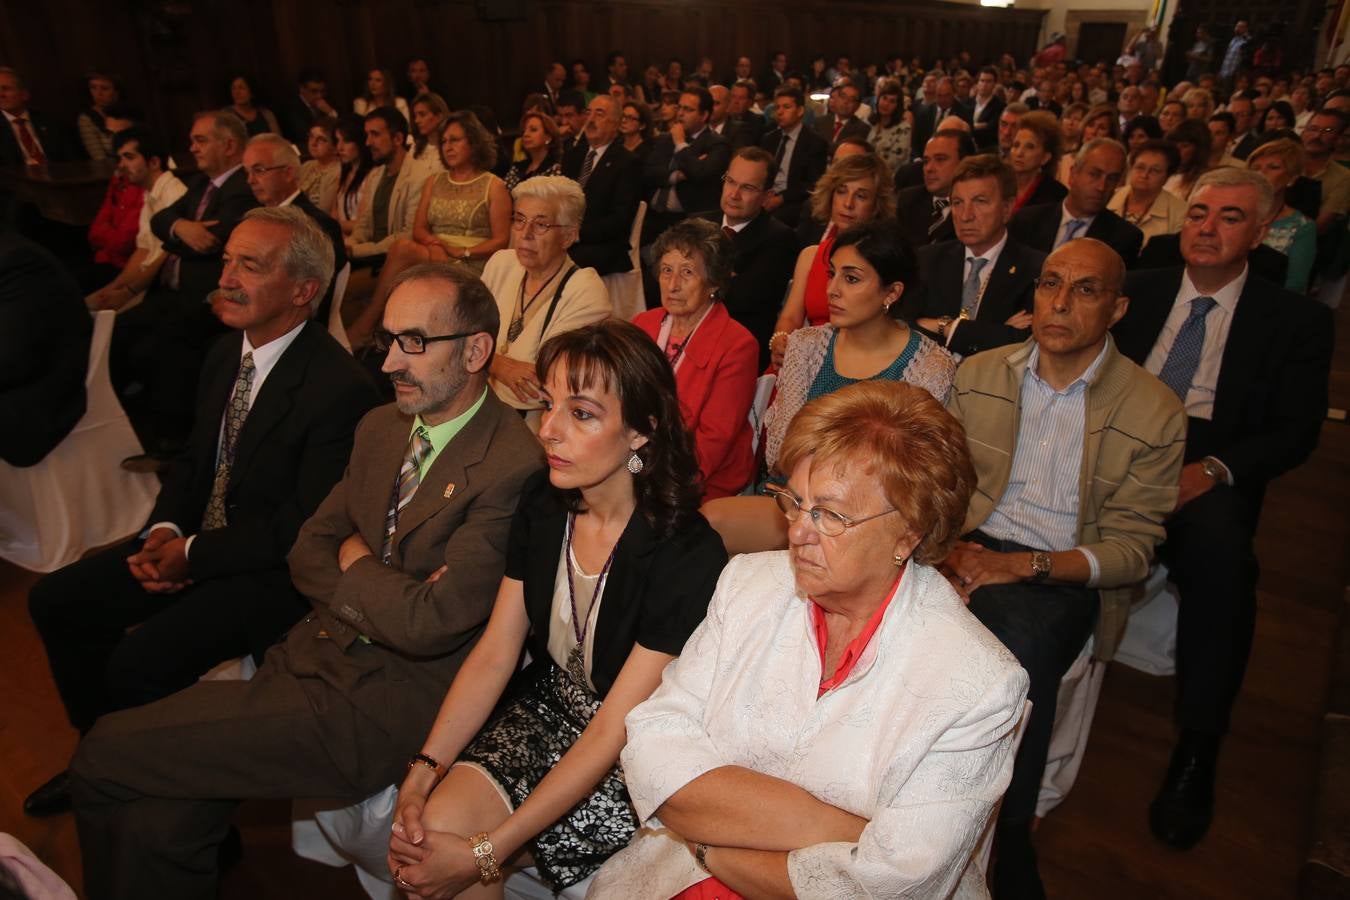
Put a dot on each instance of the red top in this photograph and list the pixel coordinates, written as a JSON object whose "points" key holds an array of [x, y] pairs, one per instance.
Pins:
{"points": [[113, 232], [711, 888], [817, 305], [1027, 192]]}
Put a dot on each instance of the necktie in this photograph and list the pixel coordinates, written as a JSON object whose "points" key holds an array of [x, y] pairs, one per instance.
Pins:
{"points": [[586, 167], [409, 477], [783, 141], [169, 274], [30, 145], [838, 127], [939, 215], [235, 414], [729, 232], [1072, 228], [970, 291], [1184, 357]]}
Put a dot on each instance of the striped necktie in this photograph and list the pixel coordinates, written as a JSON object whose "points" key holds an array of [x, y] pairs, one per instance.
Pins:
{"points": [[409, 477], [235, 414], [1183, 359], [587, 166]]}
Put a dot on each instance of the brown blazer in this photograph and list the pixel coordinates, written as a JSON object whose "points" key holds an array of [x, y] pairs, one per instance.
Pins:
{"points": [[381, 636]]}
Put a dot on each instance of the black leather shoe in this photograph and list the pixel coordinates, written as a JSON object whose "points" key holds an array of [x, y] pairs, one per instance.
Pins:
{"points": [[1180, 815], [52, 798], [1014, 875]]}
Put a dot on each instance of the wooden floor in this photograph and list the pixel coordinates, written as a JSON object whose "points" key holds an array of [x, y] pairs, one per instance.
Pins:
{"points": [[1095, 846]]}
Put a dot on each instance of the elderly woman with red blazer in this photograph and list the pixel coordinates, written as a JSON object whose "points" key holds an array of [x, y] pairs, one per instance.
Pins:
{"points": [[714, 357]]}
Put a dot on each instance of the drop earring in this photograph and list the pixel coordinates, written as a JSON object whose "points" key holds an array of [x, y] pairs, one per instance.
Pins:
{"points": [[635, 463]]}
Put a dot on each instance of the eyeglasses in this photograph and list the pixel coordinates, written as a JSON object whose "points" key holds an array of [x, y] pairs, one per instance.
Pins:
{"points": [[1321, 130], [1084, 290], [826, 521], [741, 186], [260, 171], [535, 226], [412, 343], [629, 118]]}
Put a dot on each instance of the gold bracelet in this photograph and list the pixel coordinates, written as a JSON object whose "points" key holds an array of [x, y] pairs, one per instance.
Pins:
{"points": [[488, 870], [775, 336]]}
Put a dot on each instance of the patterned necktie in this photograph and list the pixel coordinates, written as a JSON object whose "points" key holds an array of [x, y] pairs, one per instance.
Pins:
{"points": [[1071, 231], [235, 414], [30, 145], [409, 477], [939, 215], [1184, 358], [970, 291], [587, 165], [169, 274]]}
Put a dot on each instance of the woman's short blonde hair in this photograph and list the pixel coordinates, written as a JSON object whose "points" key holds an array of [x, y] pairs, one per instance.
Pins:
{"points": [[1289, 151], [901, 439], [855, 168]]}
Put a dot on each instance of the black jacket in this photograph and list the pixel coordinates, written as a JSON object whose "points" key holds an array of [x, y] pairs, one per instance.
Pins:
{"points": [[1164, 252], [914, 210], [612, 197], [199, 273], [1038, 226], [807, 164], [766, 252], [984, 128], [925, 123], [55, 146], [703, 162]]}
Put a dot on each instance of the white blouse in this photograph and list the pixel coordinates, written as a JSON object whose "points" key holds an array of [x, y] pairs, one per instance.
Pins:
{"points": [[918, 739], [589, 591]]}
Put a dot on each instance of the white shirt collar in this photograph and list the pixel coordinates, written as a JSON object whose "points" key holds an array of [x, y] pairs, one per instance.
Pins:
{"points": [[266, 356], [225, 176], [1225, 297], [795, 130], [599, 151], [992, 253], [735, 228], [28, 116], [289, 200]]}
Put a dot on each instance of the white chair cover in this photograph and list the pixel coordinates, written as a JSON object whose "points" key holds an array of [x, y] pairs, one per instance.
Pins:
{"points": [[625, 288], [335, 326], [79, 497], [1150, 641]]}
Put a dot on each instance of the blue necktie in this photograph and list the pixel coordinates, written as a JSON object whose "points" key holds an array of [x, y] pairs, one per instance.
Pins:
{"points": [[970, 291], [1184, 357], [1071, 230]]}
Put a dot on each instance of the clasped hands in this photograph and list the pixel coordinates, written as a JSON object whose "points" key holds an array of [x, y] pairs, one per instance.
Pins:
{"points": [[161, 564], [427, 864]]}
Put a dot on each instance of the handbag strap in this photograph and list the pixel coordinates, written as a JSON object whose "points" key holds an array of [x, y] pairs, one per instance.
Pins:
{"points": [[557, 295]]}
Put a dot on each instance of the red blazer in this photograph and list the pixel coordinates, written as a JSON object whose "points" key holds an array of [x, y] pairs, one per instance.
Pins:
{"points": [[112, 235], [716, 385]]}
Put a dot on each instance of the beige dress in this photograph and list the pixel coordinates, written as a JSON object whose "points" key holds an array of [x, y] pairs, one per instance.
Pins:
{"points": [[458, 214], [320, 184]]}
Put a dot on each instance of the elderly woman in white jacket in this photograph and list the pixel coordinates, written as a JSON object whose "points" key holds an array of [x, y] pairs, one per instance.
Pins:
{"points": [[839, 725]]}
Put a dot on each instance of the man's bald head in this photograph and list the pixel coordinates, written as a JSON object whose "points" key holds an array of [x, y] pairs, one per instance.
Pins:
{"points": [[956, 122]]}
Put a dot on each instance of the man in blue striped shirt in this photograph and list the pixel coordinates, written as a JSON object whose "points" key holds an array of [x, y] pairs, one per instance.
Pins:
{"points": [[1077, 452]]}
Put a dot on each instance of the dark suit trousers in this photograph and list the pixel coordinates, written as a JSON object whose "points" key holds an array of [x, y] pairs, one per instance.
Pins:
{"points": [[155, 787], [83, 611], [1045, 626], [1210, 559]]}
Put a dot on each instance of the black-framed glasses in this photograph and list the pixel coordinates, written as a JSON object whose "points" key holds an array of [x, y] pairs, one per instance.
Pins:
{"points": [[412, 343], [826, 521]]}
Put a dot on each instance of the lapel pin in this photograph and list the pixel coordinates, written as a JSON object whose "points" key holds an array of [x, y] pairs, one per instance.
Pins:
{"points": [[1012, 270], [449, 490]]}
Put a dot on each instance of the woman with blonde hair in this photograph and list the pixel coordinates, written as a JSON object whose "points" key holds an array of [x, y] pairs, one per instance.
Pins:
{"points": [[1290, 232]]}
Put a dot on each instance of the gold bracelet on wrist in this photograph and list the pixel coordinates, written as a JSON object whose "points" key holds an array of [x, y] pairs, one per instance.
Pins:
{"points": [[776, 335], [488, 870]]}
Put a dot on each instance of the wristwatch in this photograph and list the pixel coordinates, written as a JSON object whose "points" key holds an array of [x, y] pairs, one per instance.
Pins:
{"points": [[1040, 565], [943, 322], [1213, 469]]}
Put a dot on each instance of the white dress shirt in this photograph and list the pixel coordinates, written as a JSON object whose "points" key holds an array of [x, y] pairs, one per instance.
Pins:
{"points": [[161, 195], [1065, 217], [1200, 398]]}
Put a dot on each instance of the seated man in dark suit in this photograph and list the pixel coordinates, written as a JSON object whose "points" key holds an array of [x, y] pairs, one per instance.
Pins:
{"points": [[985, 108], [924, 211], [845, 98], [44, 351], [207, 581], [975, 293], [1163, 251], [764, 245], [400, 582], [301, 112], [1250, 362], [683, 174], [928, 116], [746, 128], [611, 178], [25, 137], [1097, 170], [158, 346], [273, 169], [801, 155]]}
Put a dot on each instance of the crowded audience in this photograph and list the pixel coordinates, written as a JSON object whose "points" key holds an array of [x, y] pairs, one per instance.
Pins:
{"points": [[950, 356]]}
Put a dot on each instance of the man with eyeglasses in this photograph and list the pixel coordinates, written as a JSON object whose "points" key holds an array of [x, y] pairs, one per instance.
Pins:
{"points": [[207, 580], [611, 178], [1076, 452], [273, 169], [1319, 143], [400, 565], [762, 243]]}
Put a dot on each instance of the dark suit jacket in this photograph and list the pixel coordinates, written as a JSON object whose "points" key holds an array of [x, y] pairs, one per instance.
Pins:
{"points": [[290, 452], [612, 197], [765, 254], [54, 144], [1038, 226], [1009, 290], [854, 127], [334, 231], [909, 175], [199, 273], [913, 209], [296, 118], [1245, 146], [1271, 395], [808, 162], [746, 130], [419, 632], [984, 128], [44, 351], [925, 123], [703, 162], [1164, 252]]}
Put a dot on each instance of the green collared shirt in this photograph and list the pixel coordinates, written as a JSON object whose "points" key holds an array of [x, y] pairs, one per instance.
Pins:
{"points": [[441, 435]]}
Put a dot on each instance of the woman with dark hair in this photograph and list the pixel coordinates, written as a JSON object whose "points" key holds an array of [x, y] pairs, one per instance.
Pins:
{"points": [[716, 360], [350, 138], [609, 568], [380, 92], [95, 134], [579, 80], [1142, 201], [1279, 115], [815, 77], [539, 142], [1170, 115], [1192, 140], [635, 129], [892, 126], [244, 105], [1140, 130], [321, 173], [1034, 158]]}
